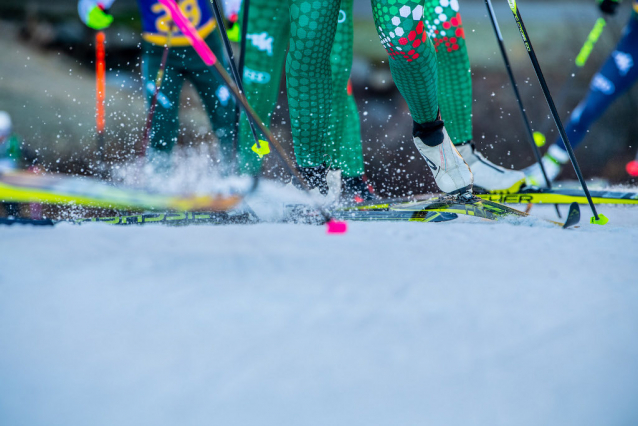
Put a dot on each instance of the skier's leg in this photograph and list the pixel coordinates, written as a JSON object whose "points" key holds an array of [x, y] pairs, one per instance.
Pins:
{"points": [[412, 62], [616, 76], [309, 81], [445, 27], [215, 96], [354, 184], [268, 34], [403, 33], [344, 154], [350, 150], [165, 126], [343, 139]]}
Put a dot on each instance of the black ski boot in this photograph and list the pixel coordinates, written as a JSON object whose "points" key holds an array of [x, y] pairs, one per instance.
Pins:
{"points": [[315, 177], [356, 190]]}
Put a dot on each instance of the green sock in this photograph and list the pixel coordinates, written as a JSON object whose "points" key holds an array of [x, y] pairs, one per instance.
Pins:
{"points": [[309, 76], [267, 40], [413, 61], [455, 79], [343, 140]]}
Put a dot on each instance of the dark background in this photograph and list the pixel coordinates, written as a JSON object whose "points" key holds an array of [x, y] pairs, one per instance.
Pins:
{"points": [[47, 85]]}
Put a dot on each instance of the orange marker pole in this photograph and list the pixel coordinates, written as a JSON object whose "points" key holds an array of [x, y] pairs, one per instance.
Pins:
{"points": [[100, 77]]}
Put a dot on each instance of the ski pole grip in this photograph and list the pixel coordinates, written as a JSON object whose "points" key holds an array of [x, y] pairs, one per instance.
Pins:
{"points": [[187, 28]]}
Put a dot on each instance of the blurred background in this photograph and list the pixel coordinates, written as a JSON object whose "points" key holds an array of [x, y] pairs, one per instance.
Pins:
{"points": [[47, 84]]}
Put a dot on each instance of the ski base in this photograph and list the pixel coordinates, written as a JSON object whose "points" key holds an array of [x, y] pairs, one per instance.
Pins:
{"points": [[395, 216], [295, 215], [174, 219]]}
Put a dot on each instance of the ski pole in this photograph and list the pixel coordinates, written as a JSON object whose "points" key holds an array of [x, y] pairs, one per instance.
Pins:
{"points": [[510, 73], [210, 59], [579, 64], [100, 90], [597, 219], [158, 84], [244, 34], [242, 60], [236, 75]]}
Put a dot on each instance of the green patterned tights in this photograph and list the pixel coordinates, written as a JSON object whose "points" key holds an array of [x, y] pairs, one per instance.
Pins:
{"points": [[428, 59]]}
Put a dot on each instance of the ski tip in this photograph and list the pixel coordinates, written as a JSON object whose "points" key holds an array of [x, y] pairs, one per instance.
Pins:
{"points": [[602, 220], [573, 216], [336, 227], [632, 168]]}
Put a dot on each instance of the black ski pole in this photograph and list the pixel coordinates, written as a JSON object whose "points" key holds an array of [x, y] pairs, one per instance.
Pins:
{"points": [[597, 219], [244, 36], [508, 67], [234, 71], [242, 60]]}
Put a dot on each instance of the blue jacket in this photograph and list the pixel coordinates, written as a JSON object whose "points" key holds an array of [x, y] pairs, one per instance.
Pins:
{"points": [[156, 22]]}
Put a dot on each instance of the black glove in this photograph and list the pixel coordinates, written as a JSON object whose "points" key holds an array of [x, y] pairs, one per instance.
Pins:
{"points": [[608, 6]]}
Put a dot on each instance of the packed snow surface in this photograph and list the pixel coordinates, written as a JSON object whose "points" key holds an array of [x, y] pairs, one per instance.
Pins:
{"points": [[457, 323]]}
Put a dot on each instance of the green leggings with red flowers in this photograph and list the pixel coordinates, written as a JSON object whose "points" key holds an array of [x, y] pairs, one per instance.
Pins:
{"points": [[428, 59]]}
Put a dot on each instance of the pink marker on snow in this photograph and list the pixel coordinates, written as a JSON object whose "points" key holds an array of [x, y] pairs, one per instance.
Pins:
{"points": [[336, 227], [189, 31]]}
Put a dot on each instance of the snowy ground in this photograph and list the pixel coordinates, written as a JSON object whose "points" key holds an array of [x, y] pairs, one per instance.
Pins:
{"points": [[390, 324]]}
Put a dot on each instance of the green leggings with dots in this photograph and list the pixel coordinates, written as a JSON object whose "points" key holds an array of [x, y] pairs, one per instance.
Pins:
{"points": [[268, 38], [343, 140], [428, 60], [313, 25]]}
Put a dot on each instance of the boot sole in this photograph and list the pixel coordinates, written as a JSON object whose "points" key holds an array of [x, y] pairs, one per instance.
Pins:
{"points": [[461, 190]]}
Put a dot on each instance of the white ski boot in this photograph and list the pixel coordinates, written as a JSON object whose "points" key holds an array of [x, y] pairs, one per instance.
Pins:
{"points": [[553, 162], [487, 175], [451, 172]]}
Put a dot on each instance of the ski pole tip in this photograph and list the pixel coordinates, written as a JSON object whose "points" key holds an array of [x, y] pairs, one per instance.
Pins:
{"points": [[262, 149], [632, 168], [602, 220], [336, 227]]}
